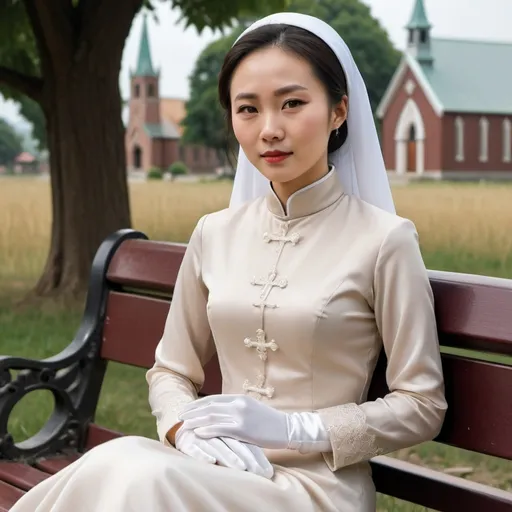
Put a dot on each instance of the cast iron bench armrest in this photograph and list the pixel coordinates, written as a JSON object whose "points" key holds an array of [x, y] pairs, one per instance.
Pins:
{"points": [[69, 376], [74, 376]]}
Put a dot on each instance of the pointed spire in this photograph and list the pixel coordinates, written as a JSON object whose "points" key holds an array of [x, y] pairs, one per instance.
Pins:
{"points": [[419, 17], [144, 64]]}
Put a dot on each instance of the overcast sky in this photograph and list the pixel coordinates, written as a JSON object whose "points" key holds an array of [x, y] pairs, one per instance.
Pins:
{"points": [[175, 50]]}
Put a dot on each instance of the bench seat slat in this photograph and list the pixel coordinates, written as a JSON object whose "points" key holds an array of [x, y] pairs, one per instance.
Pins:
{"points": [[434, 489], [55, 464], [21, 475], [98, 435], [9, 495]]}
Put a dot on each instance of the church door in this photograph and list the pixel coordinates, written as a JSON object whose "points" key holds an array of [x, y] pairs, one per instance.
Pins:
{"points": [[411, 150], [137, 157]]}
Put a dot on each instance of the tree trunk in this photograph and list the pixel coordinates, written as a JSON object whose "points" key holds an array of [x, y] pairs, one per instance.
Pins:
{"points": [[87, 169]]}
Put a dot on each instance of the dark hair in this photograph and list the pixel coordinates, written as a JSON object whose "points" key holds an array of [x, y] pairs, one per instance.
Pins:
{"points": [[301, 42]]}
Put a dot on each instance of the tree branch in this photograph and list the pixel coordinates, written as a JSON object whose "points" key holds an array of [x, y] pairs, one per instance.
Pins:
{"points": [[31, 86]]}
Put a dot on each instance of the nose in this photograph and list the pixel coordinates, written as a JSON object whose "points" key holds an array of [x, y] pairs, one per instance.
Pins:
{"points": [[272, 129]]}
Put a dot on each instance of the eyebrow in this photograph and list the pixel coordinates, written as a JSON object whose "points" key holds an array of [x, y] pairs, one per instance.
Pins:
{"points": [[278, 92]]}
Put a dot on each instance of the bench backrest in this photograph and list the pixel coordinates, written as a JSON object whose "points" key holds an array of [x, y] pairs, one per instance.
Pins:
{"points": [[133, 280], [474, 313]]}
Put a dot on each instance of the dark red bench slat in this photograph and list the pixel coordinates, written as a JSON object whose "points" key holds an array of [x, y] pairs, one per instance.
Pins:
{"points": [[21, 475], [147, 265], [55, 464], [435, 489], [133, 327], [9, 495], [98, 435], [475, 391], [480, 416], [473, 311]]}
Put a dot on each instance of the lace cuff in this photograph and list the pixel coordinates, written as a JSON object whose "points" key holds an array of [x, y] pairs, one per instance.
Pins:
{"points": [[349, 435], [169, 417]]}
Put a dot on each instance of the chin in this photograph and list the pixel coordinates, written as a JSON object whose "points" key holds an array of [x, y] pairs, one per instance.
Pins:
{"points": [[276, 173], [278, 177]]}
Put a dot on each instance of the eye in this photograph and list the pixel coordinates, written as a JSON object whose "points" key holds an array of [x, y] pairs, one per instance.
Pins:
{"points": [[294, 103], [247, 109]]}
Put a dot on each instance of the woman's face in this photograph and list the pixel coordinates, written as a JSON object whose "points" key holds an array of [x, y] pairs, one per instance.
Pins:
{"points": [[281, 116]]}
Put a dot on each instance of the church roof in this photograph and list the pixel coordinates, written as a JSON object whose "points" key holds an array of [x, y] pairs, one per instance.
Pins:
{"points": [[144, 62], [466, 76], [173, 111], [163, 130], [419, 16], [471, 76]]}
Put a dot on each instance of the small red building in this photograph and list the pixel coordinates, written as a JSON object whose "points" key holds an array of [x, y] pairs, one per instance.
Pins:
{"points": [[153, 133], [447, 113]]}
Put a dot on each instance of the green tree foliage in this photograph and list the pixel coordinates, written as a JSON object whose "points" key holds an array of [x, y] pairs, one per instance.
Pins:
{"points": [[369, 43], [10, 143], [205, 122], [33, 113]]}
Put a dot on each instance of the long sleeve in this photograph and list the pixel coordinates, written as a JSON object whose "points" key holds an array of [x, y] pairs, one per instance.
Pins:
{"points": [[414, 409], [186, 344]]}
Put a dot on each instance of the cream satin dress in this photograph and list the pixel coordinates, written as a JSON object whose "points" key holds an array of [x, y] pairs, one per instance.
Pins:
{"points": [[297, 305]]}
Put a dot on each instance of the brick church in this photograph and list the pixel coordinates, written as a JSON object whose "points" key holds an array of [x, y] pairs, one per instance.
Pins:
{"points": [[153, 133], [447, 113]]}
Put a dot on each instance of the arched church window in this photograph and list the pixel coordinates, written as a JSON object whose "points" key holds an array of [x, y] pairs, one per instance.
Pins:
{"points": [[507, 140], [136, 90], [151, 90], [484, 139], [459, 139]]}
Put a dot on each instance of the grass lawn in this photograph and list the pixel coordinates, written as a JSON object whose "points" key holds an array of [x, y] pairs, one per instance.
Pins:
{"points": [[462, 228]]}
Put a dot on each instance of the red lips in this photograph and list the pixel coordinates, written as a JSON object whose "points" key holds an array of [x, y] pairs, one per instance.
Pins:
{"points": [[275, 153], [275, 157]]}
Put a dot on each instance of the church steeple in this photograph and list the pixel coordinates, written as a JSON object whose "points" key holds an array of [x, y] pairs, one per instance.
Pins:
{"points": [[144, 63], [419, 34]]}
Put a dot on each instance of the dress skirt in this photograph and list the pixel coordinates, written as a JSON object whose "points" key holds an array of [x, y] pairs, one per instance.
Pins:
{"points": [[136, 474]]}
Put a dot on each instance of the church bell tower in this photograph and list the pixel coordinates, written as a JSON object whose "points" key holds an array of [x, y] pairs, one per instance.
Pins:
{"points": [[419, 27], [144, 84]]}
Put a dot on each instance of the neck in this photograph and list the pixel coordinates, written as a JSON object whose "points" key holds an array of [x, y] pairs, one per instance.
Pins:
{"points": [[285, 190]]}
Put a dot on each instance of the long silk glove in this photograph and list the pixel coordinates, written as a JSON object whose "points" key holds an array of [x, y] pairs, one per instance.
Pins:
{"points": [[224, 452], [246, 419]]}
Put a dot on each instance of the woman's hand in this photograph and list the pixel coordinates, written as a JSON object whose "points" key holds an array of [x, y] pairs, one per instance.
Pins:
{"points": [[239, 417], [224, 452], [246, 419]]}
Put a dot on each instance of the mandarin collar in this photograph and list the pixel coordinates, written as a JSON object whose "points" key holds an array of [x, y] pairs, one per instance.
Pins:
{"points": [[308, 200]]}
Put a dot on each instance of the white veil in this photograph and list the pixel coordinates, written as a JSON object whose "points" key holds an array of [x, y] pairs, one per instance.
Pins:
{"points": [[359, 161]]}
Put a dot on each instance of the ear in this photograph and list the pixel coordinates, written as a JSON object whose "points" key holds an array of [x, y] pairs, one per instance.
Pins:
{"points": [[339, 113]]}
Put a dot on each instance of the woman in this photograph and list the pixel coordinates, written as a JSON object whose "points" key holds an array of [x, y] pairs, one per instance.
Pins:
{"points": [[297, 287]]}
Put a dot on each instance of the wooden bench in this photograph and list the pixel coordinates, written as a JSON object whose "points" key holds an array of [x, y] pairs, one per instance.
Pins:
{"points": [[131, 285]]}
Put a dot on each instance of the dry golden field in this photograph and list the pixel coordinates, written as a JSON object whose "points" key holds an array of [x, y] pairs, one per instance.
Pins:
{"points": [[463, 227]]}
